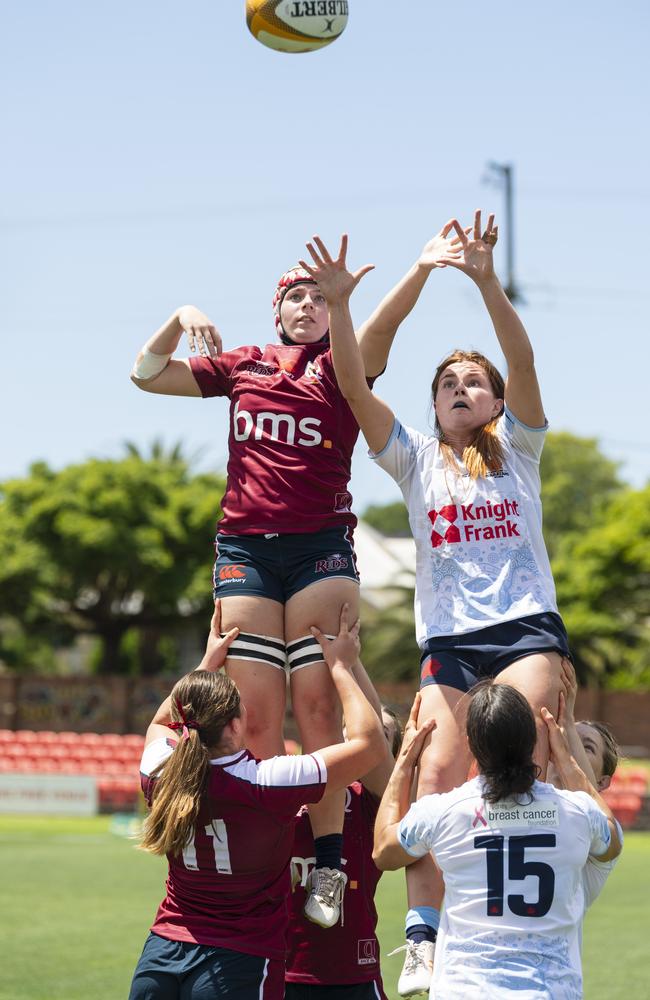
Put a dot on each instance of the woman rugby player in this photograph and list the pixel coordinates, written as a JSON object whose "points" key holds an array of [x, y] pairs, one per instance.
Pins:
{"points": [[472, 491]]}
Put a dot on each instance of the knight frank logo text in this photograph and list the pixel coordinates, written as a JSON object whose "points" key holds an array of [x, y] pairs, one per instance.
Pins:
{"points": [[474, 522]]}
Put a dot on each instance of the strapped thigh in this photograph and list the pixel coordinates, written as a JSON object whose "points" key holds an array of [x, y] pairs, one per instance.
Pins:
{"points": [[305, 651], [261, 648]]}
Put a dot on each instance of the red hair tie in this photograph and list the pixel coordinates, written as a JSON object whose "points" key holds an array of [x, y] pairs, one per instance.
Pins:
{"points": [[185, 725]]}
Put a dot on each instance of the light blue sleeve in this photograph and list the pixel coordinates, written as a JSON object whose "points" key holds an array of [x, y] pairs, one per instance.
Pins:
{"points": [[416, 832], [528, 441], [399, 454], [600, 835]]}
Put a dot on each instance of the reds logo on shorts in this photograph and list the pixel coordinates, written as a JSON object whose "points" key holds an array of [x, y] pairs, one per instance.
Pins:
{"points": [[331, 564], [232, 572]]}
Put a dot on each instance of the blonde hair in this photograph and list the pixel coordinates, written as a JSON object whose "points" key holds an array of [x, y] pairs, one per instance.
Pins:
{"points": [[485, 453], [207, 702]]}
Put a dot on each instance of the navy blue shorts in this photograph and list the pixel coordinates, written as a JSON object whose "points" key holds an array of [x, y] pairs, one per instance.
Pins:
{"points": [[178, 970], [278, 566], [461, 661], [355, 991]]}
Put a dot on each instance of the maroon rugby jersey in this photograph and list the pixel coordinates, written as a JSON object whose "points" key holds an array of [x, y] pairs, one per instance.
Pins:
{"points": [[291, 438], [342, 954], [229, 887]]}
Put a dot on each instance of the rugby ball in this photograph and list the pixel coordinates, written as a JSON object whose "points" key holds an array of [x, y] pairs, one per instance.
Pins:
{"points": [[296, 25]]}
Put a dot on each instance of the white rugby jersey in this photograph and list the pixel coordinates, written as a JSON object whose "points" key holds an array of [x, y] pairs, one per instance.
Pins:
{"points": [[480, 553], [514, 897]]}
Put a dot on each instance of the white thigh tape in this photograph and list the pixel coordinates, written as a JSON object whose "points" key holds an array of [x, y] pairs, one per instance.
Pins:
{"points": [[303, 652], [263, 648]]}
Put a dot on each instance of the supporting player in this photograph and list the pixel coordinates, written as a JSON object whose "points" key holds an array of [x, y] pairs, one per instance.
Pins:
{"points": [[344, 963], [485, 598], [512, 851], [225, 821], [596, 752], [284, 550]]}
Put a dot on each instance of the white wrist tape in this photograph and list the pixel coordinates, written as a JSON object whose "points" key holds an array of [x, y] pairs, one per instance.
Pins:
{"points": [[150, 364]]}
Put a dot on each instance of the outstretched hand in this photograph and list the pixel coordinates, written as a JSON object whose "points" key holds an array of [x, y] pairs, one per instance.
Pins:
{"points": [[442, 249], [217, 646], [202, 334], [560, 752], [331, 275], [346, 647], [414, 737], [475, 256]]}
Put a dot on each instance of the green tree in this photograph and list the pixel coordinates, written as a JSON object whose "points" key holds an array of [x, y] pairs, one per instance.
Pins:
{"points": [[390, 519], [603, 587], [577, 484], [102, 548]]}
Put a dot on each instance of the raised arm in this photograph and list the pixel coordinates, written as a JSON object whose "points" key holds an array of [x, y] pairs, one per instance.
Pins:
{"points": [[522, 395], [365, 743], [376, 335], [388, 852], [574, 779], [336, 283], [216, 651], [154, 371]]}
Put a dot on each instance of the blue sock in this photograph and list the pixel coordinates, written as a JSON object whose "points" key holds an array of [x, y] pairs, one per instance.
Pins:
{"points": [[328, 850], [422, 923]]}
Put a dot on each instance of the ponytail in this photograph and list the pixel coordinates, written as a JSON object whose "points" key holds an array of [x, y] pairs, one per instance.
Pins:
{"points": [[202, 704]]}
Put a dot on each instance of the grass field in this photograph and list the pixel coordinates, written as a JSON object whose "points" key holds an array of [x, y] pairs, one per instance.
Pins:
{"points": [[76, 901]]}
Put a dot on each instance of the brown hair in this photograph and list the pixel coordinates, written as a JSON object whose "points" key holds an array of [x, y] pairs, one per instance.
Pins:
{"points": [[485, 453], [611, 749], [501, 735], [398, 731], [208, 701]]}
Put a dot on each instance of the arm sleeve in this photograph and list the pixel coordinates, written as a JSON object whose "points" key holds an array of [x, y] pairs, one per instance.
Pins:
{"points": [[529, 441], [291, 781], [214, 376], [155, 754], [399, 454], [416, 832], [599, 832]]}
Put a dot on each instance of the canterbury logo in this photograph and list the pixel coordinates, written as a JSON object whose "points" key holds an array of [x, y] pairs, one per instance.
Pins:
{"points": [[232, 572]]}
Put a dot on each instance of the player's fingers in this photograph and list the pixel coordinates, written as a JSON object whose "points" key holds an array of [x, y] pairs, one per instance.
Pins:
{"points": [[343, 619], [316, 632], [315, 256], [477, 224], [415, 708], [215, 624], [490, 223], [231, 634], [358, 275], [323, 249], [307, 267], [191, 339], [462, 235], [343, 248]]}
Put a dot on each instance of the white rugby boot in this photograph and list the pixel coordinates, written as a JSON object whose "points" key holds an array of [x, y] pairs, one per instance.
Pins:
{"points": [[415, 978], [325, 888]]}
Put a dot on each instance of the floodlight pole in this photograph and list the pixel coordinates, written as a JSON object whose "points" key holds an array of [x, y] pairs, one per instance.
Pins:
{"points": [[505, 174]]}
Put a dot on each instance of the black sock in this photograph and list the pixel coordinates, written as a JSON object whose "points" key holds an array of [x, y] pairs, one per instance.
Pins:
{"points": [[328, 850], [421, 932]]}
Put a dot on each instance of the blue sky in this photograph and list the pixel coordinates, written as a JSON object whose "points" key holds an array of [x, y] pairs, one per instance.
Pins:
{"points": [[155, 154]]}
